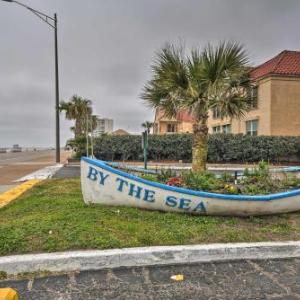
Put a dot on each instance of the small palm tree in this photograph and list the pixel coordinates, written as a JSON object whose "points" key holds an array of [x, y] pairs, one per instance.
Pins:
{"points": [[215, 78], [147, 125], [78, 109]]}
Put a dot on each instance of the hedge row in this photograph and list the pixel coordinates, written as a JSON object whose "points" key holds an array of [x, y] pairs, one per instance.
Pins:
{"points": [[221, 148]]}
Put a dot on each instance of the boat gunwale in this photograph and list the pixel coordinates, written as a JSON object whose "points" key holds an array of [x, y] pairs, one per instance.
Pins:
{"points": [[278, 196]]}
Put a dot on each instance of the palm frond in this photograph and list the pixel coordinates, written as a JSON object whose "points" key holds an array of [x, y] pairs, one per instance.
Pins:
{"points": [[214, 77], [78, 109], [169, 81]]}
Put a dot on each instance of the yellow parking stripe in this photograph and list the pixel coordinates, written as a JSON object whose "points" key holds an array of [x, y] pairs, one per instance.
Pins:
{"points": [[8, 294], [17, 191]]}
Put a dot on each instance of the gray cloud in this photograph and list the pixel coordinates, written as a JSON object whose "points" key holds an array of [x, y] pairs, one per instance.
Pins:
{"points": [[106, 48]]}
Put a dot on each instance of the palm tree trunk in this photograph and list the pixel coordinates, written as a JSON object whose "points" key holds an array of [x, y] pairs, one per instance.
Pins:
{"points": [[78, 130], [200, 146]]}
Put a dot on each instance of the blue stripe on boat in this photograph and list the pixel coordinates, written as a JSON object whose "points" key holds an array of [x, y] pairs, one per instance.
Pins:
{"points": [[270, 197]]}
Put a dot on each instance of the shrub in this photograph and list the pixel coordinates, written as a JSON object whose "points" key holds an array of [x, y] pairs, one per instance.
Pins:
{"points": [[260, 181], [150, 177], [165, 175], [200, 181], [221, 148], [78, 145]]}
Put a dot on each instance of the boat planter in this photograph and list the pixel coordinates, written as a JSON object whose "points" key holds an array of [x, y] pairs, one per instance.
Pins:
{"points": [[106, 185]]}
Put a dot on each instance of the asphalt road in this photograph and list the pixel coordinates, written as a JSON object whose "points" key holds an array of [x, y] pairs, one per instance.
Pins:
{"points": [[16, 165], [10, 158], [268, 279]]}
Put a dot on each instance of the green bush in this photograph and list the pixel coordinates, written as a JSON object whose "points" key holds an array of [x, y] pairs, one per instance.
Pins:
{"points": [[222, 148], [149, 177], [78, 145], [205, 181]]}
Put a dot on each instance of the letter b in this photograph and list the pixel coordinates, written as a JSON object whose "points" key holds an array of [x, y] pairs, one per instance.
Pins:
{"points": [[92, 175]]}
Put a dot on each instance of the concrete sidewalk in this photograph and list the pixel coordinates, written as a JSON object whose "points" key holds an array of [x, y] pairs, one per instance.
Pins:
{"points": [[68, 171]]}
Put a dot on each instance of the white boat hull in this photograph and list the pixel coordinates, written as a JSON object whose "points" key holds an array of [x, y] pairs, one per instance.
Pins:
{"points": [[108, 186]]}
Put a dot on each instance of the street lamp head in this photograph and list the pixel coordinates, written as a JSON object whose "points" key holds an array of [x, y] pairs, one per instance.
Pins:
{"points": [[8, 0]]}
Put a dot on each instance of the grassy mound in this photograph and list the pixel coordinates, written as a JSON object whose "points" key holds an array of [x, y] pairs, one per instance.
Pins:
{"points": [[53, 217]]}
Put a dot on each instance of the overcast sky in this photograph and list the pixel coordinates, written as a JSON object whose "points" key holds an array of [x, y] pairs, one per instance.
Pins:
{"points": [[105, 51]]}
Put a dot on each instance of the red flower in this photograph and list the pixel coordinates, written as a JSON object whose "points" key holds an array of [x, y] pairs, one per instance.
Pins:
{"points": [[175, 181]]}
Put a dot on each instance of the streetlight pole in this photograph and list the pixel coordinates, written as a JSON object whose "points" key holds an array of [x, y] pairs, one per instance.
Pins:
{"points": [[52, 22], [57, 156]]}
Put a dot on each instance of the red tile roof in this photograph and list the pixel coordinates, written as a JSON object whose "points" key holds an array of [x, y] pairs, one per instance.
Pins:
{"points": [[285, 63], [185, 116], [182, 116]]}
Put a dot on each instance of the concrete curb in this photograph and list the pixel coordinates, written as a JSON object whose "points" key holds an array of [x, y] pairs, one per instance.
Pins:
{"points": [[133, 257], [41, 174]]}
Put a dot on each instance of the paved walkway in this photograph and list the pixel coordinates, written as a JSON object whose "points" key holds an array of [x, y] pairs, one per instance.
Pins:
{"points": [[269, 279], [68, 171]]}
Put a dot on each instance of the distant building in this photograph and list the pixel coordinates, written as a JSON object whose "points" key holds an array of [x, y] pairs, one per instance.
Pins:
{"points": [[104, 125], [276, 100], [16, 148], [120, 132], [183, 123], [275, 109]]}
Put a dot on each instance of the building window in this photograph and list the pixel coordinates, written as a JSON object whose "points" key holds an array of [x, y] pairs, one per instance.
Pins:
{"points": [[216, 113], [254, 97], [251, 127], [171, 127], [226, 128], [216, 129]]}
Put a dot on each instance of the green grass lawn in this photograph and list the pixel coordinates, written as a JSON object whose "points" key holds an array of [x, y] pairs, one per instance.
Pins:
{"points": [[53, 217]]}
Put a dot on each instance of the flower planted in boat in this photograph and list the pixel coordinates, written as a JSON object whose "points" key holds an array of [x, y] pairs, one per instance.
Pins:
{"points": [[175, 181], [230, 189]]}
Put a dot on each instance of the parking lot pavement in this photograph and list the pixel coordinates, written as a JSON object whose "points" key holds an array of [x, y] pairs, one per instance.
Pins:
{"points": [[16, 165], [266, 279], [4, 188]]}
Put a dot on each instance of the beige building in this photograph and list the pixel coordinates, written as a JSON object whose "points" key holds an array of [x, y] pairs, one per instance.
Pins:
{"points": [[276, 103], [183, 123]]}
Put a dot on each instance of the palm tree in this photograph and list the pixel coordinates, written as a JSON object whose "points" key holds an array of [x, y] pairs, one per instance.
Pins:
{"points": [[215, 78], [147, 125], [78, 109]]}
